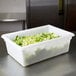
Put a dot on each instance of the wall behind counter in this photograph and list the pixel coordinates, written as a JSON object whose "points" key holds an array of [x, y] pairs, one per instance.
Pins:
{"points": [[12, 6]]}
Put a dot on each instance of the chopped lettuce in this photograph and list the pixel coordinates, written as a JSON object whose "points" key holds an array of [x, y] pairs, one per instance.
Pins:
{"points": [[26, 40]]}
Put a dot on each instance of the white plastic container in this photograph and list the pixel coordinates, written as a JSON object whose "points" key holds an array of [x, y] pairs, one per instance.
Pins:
{"points": [[34, 53]]}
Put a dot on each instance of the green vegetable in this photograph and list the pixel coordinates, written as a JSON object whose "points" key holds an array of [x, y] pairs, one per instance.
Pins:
{"points": [[26, 40]]}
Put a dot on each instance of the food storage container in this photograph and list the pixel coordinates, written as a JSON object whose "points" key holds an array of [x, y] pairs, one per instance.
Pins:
{"points": [[37, 52]]}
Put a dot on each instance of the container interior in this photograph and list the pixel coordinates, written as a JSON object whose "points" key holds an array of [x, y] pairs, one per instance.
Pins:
{"points": [[27, 32], [33, 31], [60, 32]]}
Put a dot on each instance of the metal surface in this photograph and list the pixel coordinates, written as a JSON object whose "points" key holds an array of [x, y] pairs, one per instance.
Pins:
{"points": [[63, 65], [12, 17]]}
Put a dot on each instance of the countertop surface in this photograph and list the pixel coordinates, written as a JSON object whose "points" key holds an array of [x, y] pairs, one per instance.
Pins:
{"points": [[63, 65]]}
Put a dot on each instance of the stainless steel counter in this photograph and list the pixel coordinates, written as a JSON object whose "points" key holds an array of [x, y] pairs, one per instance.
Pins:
{"points": [[63, 65]]}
